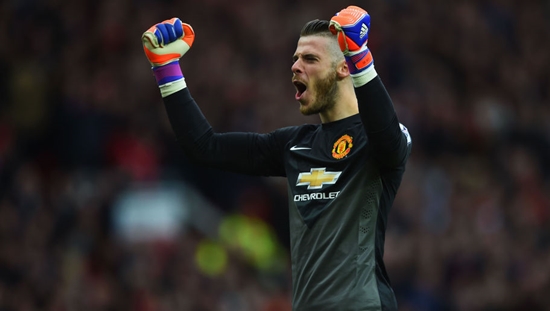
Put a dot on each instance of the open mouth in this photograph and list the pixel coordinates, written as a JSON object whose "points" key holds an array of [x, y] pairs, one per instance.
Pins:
{"points": [[300, 88]]}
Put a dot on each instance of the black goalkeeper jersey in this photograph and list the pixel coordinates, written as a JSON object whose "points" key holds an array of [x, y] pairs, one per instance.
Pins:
{"points": [[342, 180]]}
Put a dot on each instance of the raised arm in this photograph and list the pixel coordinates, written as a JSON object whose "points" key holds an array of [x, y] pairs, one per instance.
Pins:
{"points": [[249, 153], [389, 140]]}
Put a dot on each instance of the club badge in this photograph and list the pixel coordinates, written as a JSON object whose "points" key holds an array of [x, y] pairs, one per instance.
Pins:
{"points": [[342, 147]]}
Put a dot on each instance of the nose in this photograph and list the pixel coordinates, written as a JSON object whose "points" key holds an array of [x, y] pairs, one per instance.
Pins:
{"points": [[296, 67]]}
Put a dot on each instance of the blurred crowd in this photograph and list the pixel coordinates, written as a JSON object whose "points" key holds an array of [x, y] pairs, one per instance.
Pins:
{"points": [[81, 121]]}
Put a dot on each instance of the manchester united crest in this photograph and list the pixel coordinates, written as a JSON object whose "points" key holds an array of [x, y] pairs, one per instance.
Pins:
{"points": [[342, 147]]}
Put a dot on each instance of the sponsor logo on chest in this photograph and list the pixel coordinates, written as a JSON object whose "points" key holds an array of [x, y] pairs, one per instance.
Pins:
{"points": [[315, 179]]}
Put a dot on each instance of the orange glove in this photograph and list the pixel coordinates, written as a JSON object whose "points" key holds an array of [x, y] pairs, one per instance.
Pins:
{"points": [[352, 26], [167, 42], [164, 44]]}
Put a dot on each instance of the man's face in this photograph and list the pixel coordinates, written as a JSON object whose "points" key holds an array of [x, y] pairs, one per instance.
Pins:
{"points": [[314, 75]]}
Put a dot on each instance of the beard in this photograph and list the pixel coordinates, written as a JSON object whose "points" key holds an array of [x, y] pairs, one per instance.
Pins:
{"points": [[326, 90]]}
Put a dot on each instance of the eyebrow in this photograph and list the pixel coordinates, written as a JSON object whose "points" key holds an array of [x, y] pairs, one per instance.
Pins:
{"points": [[306, 55]]}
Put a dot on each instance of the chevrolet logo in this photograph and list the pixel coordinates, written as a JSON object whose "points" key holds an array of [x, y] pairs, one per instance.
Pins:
{"points": [[317, 178]]}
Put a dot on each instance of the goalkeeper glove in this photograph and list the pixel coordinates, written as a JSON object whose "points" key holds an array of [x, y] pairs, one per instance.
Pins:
{"points": [[351, 26], [164, 44]]}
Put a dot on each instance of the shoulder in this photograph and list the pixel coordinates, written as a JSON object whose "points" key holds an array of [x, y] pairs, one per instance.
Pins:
{"points": [[297, 130], [292, 134]]}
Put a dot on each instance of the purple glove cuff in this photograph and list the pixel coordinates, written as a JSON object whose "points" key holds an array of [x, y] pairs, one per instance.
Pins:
{"points": [[168, 73], [352, 62]]}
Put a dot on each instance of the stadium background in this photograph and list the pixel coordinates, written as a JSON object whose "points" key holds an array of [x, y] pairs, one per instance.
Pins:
{"points": [[100, 210]]}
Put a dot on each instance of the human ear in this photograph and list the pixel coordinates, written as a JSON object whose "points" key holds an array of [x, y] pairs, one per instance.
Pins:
{"points": [[342, 69]]}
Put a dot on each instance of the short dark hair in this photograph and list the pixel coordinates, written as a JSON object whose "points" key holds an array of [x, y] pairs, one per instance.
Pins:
{"points": [[319, 27], [315, 27]]}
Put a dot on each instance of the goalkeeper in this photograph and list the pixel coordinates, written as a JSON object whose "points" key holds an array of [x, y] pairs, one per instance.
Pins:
{"points": [[343, 174]]}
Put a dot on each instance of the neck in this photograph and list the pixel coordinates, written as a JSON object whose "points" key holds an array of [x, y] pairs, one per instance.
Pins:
{"points": [[346, 106]]}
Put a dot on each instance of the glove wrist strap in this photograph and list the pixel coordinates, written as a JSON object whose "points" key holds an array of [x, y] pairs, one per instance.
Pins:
{"points": [[361, 67], [364, 77], [167, 73], [360, 61], [169, 78]]}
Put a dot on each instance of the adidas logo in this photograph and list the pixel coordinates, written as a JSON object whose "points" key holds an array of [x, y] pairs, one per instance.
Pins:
{"points": [[364, 31]]}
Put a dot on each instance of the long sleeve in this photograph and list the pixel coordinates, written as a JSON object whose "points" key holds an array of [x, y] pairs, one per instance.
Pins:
{"points": [[390, 143], [247, 153]]}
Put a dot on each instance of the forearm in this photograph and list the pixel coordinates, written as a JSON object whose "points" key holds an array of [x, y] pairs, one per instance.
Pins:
{"points": [[375, 106], [187, 120], [381, 123]]}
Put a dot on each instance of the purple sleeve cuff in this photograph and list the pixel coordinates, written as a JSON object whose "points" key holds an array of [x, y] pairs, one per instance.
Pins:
{"points": [[168, 73]]}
